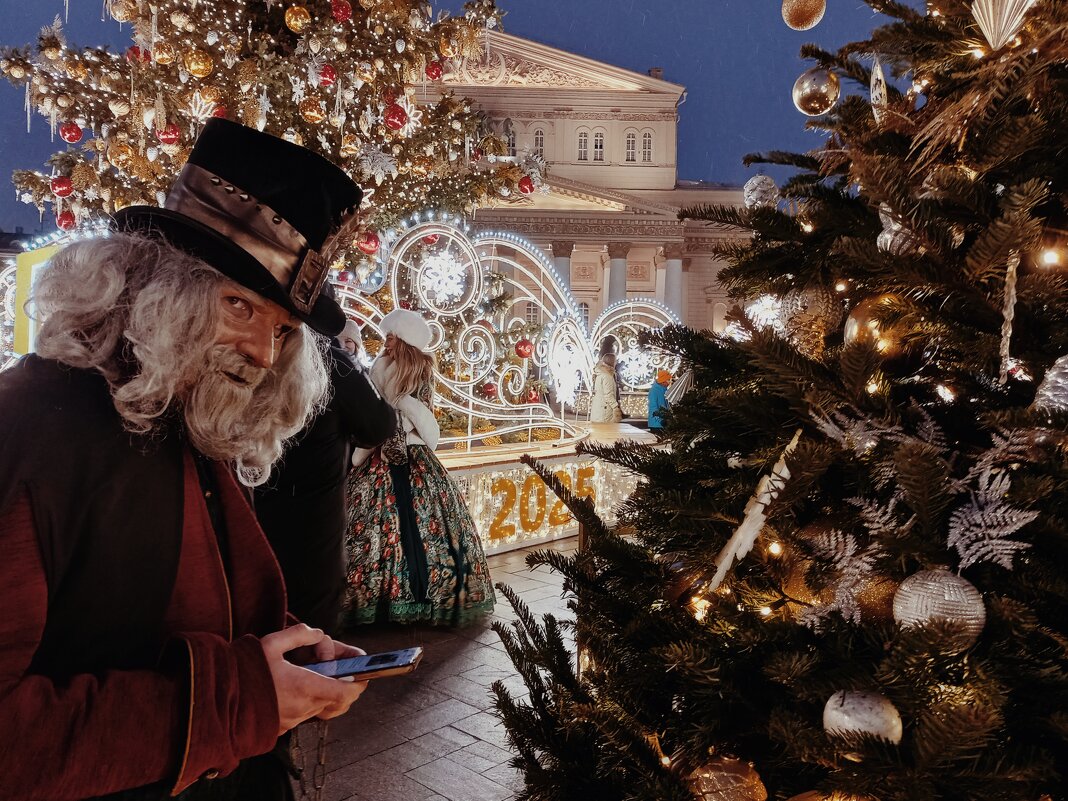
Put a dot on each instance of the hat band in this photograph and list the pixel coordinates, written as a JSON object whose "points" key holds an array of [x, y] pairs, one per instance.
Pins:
{"points": [[255, 228]]}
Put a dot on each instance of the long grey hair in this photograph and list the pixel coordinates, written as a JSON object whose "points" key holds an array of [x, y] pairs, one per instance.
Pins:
{"points": [[144, 314]]}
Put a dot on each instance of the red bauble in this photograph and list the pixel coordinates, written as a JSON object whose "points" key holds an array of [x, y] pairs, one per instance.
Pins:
{"points": [[476, 154], [526, 185], [389, 95], [65, 220], [524, 348], [62, 186], [431, 239], [396, 117], [70, 132], [135, 54], [405, 305], [532, 396], [327, 75], [489, 389], [368, 242], [219, 111], [344, 277], [341, 10], [434, 70], [169, 134]]}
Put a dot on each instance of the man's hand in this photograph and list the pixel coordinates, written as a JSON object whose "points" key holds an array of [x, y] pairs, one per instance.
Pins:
{"points": [[304, 694]]}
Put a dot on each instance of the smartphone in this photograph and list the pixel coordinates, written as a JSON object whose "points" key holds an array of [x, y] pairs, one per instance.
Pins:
{"points": [[371, 666]]}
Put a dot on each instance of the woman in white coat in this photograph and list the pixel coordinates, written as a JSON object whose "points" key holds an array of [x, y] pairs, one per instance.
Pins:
{"points": [[604, 406], [414, 553]]}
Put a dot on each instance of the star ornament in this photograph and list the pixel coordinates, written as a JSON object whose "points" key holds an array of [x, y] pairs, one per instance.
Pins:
{"points": [[415, 116]]}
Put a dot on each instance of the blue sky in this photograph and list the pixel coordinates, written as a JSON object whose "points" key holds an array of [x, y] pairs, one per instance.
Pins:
{"points": [[737, 59]]}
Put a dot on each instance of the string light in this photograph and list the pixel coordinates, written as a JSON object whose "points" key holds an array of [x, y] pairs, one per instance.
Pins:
{"points": [[775, 549]]}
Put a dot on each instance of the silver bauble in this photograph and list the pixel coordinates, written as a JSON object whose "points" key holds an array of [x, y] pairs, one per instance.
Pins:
{"points": [[1052, 395], [862, 712], [932, 595], [816, 91], [760, 192]]}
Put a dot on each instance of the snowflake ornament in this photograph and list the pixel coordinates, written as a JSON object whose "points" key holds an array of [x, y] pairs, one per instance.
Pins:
{"points": [[376, 163], [442, 276]]}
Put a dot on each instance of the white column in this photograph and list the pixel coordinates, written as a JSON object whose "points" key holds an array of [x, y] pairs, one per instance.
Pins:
{"points": [[673, 294], [562, 250], [617, 271]]}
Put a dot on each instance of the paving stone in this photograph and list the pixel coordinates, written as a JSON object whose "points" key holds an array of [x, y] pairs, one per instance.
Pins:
{"points": [[476, 694], [427, 748], [506, 776], [375, 779], [434, 717], [458, 783], [485, 726]]}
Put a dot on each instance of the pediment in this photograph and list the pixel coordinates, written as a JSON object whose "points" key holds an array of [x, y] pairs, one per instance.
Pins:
{"points": [[511, 61]]}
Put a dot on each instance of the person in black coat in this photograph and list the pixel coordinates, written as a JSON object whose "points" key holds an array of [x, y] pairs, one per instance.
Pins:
{"points": [[302, 506]]}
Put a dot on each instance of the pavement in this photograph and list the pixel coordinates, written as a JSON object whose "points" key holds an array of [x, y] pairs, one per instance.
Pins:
{"points": [[432, 735]]}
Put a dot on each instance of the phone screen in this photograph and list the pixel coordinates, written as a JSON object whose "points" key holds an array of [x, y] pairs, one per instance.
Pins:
{"points": [[388, 662]]}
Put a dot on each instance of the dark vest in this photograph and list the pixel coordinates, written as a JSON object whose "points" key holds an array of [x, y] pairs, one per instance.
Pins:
{"points": [[107, 508]]}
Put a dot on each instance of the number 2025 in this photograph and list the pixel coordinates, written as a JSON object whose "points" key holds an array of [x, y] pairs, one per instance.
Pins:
{"points": [[534, 489]]}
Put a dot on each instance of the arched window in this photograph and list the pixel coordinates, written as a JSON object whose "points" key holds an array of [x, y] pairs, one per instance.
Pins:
{"points": [[511, 144], [632, 146], [584, 310], [539, 142], [533, 314], [647, 148], [598, 146], [583, 146]]}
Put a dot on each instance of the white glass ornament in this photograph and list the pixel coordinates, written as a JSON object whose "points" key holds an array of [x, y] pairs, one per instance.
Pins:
{"points": [[1000, 20], [879, 93], [933, 595], [1052, 395], [760, 192], [862, 712]]}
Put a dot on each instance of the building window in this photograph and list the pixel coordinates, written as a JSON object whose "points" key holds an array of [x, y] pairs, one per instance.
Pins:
{"points": [[584, 146], [539, 143], [511, 144], [584, 311], [632, 147], [533, 314], [598, 147], [647, 148]]}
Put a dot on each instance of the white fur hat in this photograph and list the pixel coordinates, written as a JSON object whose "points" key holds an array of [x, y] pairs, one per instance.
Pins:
{"points": [[408, 327], [352, 331]]}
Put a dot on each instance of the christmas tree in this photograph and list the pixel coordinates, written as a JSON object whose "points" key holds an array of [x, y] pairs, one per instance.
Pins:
{"points": [[844, 579], [360, 85]]}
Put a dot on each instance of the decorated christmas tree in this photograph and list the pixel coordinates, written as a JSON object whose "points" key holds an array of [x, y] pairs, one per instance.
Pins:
{"points": [[844, 579], [357, 82]]}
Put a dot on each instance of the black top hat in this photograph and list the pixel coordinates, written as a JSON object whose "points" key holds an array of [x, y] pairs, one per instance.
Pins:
{"points": [[269, 214]]}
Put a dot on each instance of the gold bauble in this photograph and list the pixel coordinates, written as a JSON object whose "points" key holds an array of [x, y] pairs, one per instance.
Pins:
{"points": [[82, 176], [64, 101], [726, 779], [311, 109], [199, 63], [340, 44], [120, 107], [292, 136], [816, 91], [350, 145], [336, 120], [52, 51], [366, 72], [119, 154], [76, 70], [447, 46], [297, 18], [865, 325], [164, 52], [803, 14], [211, 94], [123, 10], [171, 150], [246, 74], [422, 165]]}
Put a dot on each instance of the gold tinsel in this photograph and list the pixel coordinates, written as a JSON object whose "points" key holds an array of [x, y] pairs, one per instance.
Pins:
{"points": [[82, 176], [246, 73]]}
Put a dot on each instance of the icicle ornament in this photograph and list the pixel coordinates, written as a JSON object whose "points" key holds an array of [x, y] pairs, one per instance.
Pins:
{"points": [[879, 94], [1008, 314], [741, 542], [1000, 20]]}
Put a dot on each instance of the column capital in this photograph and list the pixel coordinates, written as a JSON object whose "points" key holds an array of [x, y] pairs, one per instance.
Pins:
{"points": [[686, 264], [562, 247], [618, 250], [674, 250]]}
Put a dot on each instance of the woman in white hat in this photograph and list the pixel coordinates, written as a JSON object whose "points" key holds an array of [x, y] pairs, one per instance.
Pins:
{"points": [[414, 553]]}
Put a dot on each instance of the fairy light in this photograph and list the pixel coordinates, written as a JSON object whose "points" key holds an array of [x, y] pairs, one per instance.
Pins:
{"points": [[775, 549], [1051, 257], [700, 606], [765, 611], [872, 387], [841, 286], [945, 393]]}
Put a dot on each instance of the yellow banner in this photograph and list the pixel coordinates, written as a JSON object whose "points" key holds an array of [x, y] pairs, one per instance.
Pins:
{"points": [[27, 265]]}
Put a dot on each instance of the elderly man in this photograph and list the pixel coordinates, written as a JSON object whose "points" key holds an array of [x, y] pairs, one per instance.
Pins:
{"points": [[144, 650]]}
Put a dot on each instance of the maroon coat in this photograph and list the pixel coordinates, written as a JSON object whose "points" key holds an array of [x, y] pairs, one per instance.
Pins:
{"points": [[202, 704]]}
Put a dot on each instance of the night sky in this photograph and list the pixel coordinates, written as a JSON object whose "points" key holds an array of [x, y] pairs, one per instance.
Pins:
{"points": [[737, 59]]}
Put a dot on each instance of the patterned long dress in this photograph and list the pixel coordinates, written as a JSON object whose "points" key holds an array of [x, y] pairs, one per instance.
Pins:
{"points": [[459, 586]]}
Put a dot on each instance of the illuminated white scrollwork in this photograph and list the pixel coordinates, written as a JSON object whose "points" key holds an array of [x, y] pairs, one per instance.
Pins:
{"points": [[622, 323], [482, 294], [7, 324]]}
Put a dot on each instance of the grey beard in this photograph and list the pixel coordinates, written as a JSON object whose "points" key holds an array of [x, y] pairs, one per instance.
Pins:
{"points": [[222, 415]]}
